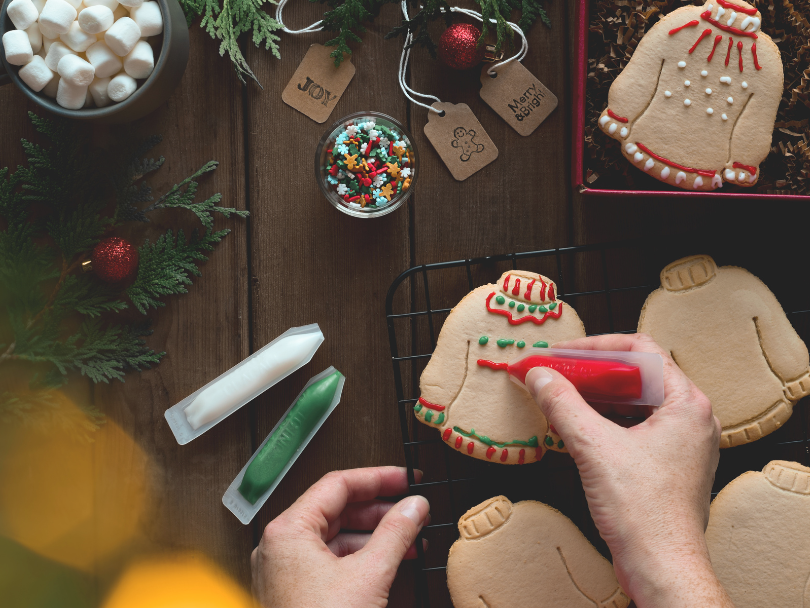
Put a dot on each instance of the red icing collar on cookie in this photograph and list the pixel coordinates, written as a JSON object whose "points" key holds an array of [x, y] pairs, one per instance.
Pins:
{"points": [[707, 16], [739, 9], [703, 172], [431, 406]]}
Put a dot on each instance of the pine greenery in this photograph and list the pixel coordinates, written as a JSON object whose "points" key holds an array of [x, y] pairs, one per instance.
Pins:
{"points": [[346, 18], [59, 321]]}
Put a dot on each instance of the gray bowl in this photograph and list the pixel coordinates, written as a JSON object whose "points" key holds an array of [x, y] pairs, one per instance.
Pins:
{"points": [[169, 67]]}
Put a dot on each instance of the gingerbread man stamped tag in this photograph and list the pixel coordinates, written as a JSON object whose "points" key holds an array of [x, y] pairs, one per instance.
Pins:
{"points": [[317, 84], [460, 140], [517, 96]]}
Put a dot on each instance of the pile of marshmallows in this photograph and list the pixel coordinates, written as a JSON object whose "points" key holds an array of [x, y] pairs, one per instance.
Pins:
{"points": [[83, 52]]}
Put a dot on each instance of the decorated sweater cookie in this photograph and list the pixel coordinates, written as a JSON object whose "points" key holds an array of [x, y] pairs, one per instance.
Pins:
{"points": [[697, 103], [527, 554], [477, 409], [728, 333], [759, 537]]}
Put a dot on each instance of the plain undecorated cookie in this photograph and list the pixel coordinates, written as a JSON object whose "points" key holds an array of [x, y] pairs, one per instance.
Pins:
{"points": [[478, 410], [527, 554], [728, 333], [759, 537]]}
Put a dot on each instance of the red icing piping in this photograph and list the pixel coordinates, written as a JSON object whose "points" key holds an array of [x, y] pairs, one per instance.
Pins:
{"points": [[551, 295], [703, 172], [528, 295], [521, 456], [493, 365], [615, 116], [708, 17], [490, 452], [554, 314], [516, 289], [431, 406], [739, 50], [705, 33], [749, 168], [728, 53], [754, 53], [717, 40], [739, 9], [470, 447], [543, 289], [690, 24], [446, 434], [506, 283], [504, 455], [459, 440]]}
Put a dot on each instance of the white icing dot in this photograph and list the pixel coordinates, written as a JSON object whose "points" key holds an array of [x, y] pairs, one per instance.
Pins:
{"points": [[744, 85], [686, 83], [708, 91], [665, 173], [687, 102], [729, 175], [604, 120], [730, 100], [680, 177], [725, 79], [717, 181], [631, 148], [638, 157], [667, 93], [752, 178], [649, 164], [681, 64], [741, 177], [724, 117], [731, 19], [623, 132], [709, 111], [612, 128], [698, 182], [704, 73]]}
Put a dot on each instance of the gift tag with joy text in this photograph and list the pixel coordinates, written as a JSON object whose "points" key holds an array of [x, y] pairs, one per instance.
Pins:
{"points": [[317, 84], [460, 139], [517, 96]]}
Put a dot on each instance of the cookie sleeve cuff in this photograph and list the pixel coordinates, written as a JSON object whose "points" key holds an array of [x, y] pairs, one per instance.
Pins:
{"points": [[796, 389]]}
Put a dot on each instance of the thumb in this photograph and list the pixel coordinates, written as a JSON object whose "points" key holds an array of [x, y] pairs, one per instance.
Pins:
{"points": [[564, 408], [394, 535]]}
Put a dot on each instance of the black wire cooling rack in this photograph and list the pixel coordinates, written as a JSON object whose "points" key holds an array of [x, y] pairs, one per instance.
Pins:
{"points": [[607, 285]]}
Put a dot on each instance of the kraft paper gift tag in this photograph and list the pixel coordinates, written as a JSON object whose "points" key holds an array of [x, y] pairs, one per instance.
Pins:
{"points": [[317, 84], [460, 140], [517, 96]]}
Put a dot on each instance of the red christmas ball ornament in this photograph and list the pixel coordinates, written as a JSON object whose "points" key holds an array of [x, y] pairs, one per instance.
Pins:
{"points": [[458, 46], [114, 259]]}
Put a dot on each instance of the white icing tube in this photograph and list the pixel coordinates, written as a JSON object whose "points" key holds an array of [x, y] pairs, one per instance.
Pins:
{"points": [[221, 397], [283, 357]]}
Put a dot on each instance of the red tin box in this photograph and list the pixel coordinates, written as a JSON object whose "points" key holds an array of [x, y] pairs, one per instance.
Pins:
{"points": [[578, 125]]}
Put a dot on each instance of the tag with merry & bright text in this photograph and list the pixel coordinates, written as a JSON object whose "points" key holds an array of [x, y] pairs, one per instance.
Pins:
{"points": [[517, 96], [317, 84], [460, 140]]}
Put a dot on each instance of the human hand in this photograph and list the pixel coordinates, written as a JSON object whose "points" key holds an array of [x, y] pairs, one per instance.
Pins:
{"points": [[648, 486], [303, 558]]}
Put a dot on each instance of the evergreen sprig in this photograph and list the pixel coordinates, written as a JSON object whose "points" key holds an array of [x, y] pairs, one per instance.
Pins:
{"points": [[229, 21], [417, 25], [346, 18], [60, 321]]}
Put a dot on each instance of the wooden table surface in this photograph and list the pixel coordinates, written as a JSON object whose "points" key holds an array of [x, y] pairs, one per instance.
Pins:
{"points": [[296, 260]]}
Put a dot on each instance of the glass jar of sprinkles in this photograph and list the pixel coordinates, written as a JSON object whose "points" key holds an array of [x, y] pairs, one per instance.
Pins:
{"points": [[366, 164]]}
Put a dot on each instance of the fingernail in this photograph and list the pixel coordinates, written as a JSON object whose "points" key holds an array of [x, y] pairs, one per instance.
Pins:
{"points": [[536, 379], [415, 508]]}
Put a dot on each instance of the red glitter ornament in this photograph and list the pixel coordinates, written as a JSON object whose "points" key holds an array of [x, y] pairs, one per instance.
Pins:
{"points": [[114, 259], [458, 46]]}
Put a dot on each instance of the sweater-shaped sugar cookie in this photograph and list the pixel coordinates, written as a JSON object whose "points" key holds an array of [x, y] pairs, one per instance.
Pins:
{"points": [[527, 554], [727, 332], [696, 104], [476, 408], [759, 537]]}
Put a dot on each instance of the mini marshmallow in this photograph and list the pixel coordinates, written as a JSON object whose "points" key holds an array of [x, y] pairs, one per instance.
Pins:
{"points": [[96, 19], [52, 87], [34, 37], [149, 18], [46, 44], [56, 51], [69, 95], [18, 47], [141, 60], [98, 89], [22, 13], [39, 5], [121, 87], [47, 31], [130, 3], [110, 4], [75, 71], [103, 60], [57, 17], [77, 39], [36, 74], [120, 11], [122, 36], [77, 4]]}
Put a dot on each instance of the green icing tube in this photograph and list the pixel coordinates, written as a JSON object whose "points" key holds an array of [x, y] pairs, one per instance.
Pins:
{"points": [[299, 422]]}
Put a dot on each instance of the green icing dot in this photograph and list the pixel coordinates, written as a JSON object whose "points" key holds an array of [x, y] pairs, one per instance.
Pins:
{"points": [[542, 309], [483, 340], [440, 419], [533, 307], [428, 415], [552, 306], [540, 344], [549, 441], [521, 307], [560, 444], [511, 303], [417, 408], [521, 344], [503, 342], [500, 299]]}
